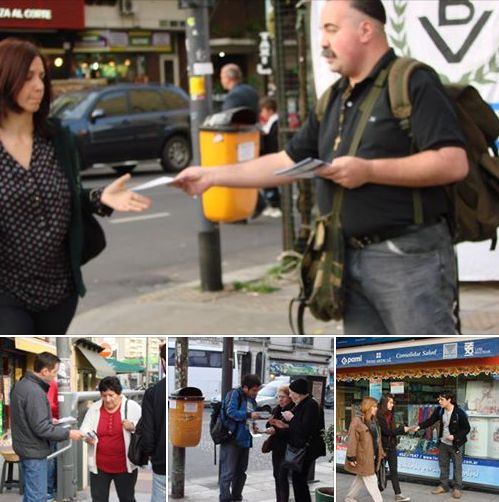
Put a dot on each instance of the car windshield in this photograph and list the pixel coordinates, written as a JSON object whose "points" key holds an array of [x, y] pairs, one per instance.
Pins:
{"points": [[267, 392], [70, 105]]}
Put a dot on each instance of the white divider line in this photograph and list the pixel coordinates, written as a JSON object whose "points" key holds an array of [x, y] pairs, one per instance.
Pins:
{"points": [[140, 218]]}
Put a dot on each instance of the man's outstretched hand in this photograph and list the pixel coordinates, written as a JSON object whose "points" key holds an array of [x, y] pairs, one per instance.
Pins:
{"points": [[193, 180]]}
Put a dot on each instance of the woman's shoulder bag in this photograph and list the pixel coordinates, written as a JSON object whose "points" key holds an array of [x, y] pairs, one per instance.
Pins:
{"points": [[136, 453]]}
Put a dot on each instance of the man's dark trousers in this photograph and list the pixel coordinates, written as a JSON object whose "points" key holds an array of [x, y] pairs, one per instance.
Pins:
{"points": [[446, 453], [233, 465]]}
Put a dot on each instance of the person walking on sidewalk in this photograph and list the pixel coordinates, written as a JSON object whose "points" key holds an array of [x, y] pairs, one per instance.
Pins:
{"points": [[32, 427], [399, 275], [389, 433], [364, 451], [108, 424], [306, 422], [454, 427], [154, 432], [239, 406], [277, 427], [240, 94], [42, 201]]}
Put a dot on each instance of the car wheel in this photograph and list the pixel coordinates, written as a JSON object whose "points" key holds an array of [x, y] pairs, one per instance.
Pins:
{"points": [[121, 170], [267, 409], [176, 154]]}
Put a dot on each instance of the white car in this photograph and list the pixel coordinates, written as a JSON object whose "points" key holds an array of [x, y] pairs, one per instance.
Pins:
{"points": [[266, 399]]}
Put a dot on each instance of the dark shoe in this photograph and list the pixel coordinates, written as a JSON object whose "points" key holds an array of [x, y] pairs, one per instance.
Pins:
{"points": [[439, 489]]}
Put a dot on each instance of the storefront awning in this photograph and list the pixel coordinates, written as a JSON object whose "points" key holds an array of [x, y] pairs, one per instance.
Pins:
{"points": [[34, 345], [102, 368], [470, 367], [122, 367]]}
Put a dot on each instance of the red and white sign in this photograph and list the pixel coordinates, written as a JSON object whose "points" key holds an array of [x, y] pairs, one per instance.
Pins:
{"points": [[42, 14]]}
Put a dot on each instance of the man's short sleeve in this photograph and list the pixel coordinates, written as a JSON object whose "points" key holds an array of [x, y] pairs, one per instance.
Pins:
{"points": [[305, 143], [434, 120]]}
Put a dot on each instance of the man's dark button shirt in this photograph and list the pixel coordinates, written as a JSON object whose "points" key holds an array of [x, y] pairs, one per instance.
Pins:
{"points": [[374, 207]]}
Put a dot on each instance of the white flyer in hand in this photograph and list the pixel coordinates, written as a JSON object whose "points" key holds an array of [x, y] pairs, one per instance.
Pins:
{"points": [[162, 180], [303, 169]]}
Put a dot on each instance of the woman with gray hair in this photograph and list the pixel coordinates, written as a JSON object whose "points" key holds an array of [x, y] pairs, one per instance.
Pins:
{"points": [[108, 425]]}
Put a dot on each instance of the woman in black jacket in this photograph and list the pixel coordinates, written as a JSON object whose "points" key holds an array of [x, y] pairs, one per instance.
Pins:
{"points": [[279, 428], [306, 422], [389, 433], [41, 229]]}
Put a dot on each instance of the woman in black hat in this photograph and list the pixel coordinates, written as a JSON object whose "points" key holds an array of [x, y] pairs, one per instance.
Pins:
{"points": [[306, 422]]}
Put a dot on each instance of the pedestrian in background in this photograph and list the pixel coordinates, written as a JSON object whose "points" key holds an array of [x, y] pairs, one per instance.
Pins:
{"points": [[41, 200], [278, 428], [238, 409], [364, 451], [154, 432], [108, 424], [306, 423], [32, 427], [53, 397], [270, 142], [240, 94], [389, 433]]}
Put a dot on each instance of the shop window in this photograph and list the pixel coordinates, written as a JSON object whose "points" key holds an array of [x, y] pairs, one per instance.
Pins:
{"points": [[113, 104], [303, 341], [146, 101], [173, 100]]}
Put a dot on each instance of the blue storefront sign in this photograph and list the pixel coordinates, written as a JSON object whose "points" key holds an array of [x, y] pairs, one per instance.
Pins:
{"points": [[425, 353], [475, 471]]}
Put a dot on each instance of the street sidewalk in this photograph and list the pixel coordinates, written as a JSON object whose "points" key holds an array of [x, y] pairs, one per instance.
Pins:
{"points": [[143, 490], [418, 492], [259, 486], [185, 310]]}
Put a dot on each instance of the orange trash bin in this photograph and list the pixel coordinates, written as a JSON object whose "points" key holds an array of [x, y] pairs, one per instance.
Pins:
{"points": [[185, 416], [229, 137]]}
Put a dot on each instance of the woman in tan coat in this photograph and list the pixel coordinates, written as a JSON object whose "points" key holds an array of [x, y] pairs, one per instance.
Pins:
{"points": [[364, 452]]}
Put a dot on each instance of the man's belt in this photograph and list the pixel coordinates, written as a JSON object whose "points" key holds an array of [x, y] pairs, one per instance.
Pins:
{"points": [[363, 241]]}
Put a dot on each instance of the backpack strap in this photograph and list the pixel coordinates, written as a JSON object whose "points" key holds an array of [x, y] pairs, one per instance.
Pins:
{"points": [[401, 106], [324, 100]]}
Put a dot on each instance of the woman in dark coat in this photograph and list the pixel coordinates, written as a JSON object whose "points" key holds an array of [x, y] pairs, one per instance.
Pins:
{"points": [[41, 230], [306, 422], [279, 428], [389, 433]]}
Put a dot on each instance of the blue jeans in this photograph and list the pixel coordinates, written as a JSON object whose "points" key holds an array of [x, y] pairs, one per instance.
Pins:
{"points": [[402, 286], [35, 479], [233, 465], [158, 487]]}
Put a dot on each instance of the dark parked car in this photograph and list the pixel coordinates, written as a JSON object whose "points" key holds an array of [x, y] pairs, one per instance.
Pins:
{"points": [[121, 124]]}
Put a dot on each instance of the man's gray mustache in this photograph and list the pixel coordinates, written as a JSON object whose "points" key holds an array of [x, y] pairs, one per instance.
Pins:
{"points": [[327, 53]]}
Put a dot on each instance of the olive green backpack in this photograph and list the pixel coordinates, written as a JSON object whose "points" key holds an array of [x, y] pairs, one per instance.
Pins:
{"points": [[474, 201]]}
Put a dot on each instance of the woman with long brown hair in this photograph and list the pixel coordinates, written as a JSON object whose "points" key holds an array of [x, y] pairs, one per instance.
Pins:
{"points": [[41, 200], [364, 451], [389, 433]]}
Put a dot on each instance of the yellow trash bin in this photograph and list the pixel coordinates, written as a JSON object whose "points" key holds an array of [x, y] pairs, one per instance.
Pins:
{"points": [[185, 416], [229, 137]]}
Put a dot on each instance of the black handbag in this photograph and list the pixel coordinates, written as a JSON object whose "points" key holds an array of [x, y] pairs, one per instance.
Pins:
{"points": [[294, 458], [382, 475], [94, 239], [268, 444], [136, 453]]}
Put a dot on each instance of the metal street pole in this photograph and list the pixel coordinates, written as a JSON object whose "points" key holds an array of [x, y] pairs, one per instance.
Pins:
{"points": [[181, 368], [227, 365], [200, 88], [66, 462]]}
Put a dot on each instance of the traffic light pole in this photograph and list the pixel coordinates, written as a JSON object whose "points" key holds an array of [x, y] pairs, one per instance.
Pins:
{"points": [[200, 89]]}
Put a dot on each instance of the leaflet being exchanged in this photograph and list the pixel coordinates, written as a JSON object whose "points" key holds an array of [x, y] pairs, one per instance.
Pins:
{"points": [[162, 180], [304, 169]]}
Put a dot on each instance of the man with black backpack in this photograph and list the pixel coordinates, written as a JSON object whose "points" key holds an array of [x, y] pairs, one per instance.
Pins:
{"points": [[394, 271], [154, 432], [237, 409], [454, 427]]}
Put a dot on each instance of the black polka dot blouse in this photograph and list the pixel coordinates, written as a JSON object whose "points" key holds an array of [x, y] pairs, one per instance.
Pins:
{"points": [[35, 214]]}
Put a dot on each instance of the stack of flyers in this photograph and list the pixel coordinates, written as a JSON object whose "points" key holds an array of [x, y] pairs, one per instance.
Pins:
{"points": [[303, 169]]}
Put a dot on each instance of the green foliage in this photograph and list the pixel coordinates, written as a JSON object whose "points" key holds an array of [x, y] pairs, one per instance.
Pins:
{"points": [[328, 436]]}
